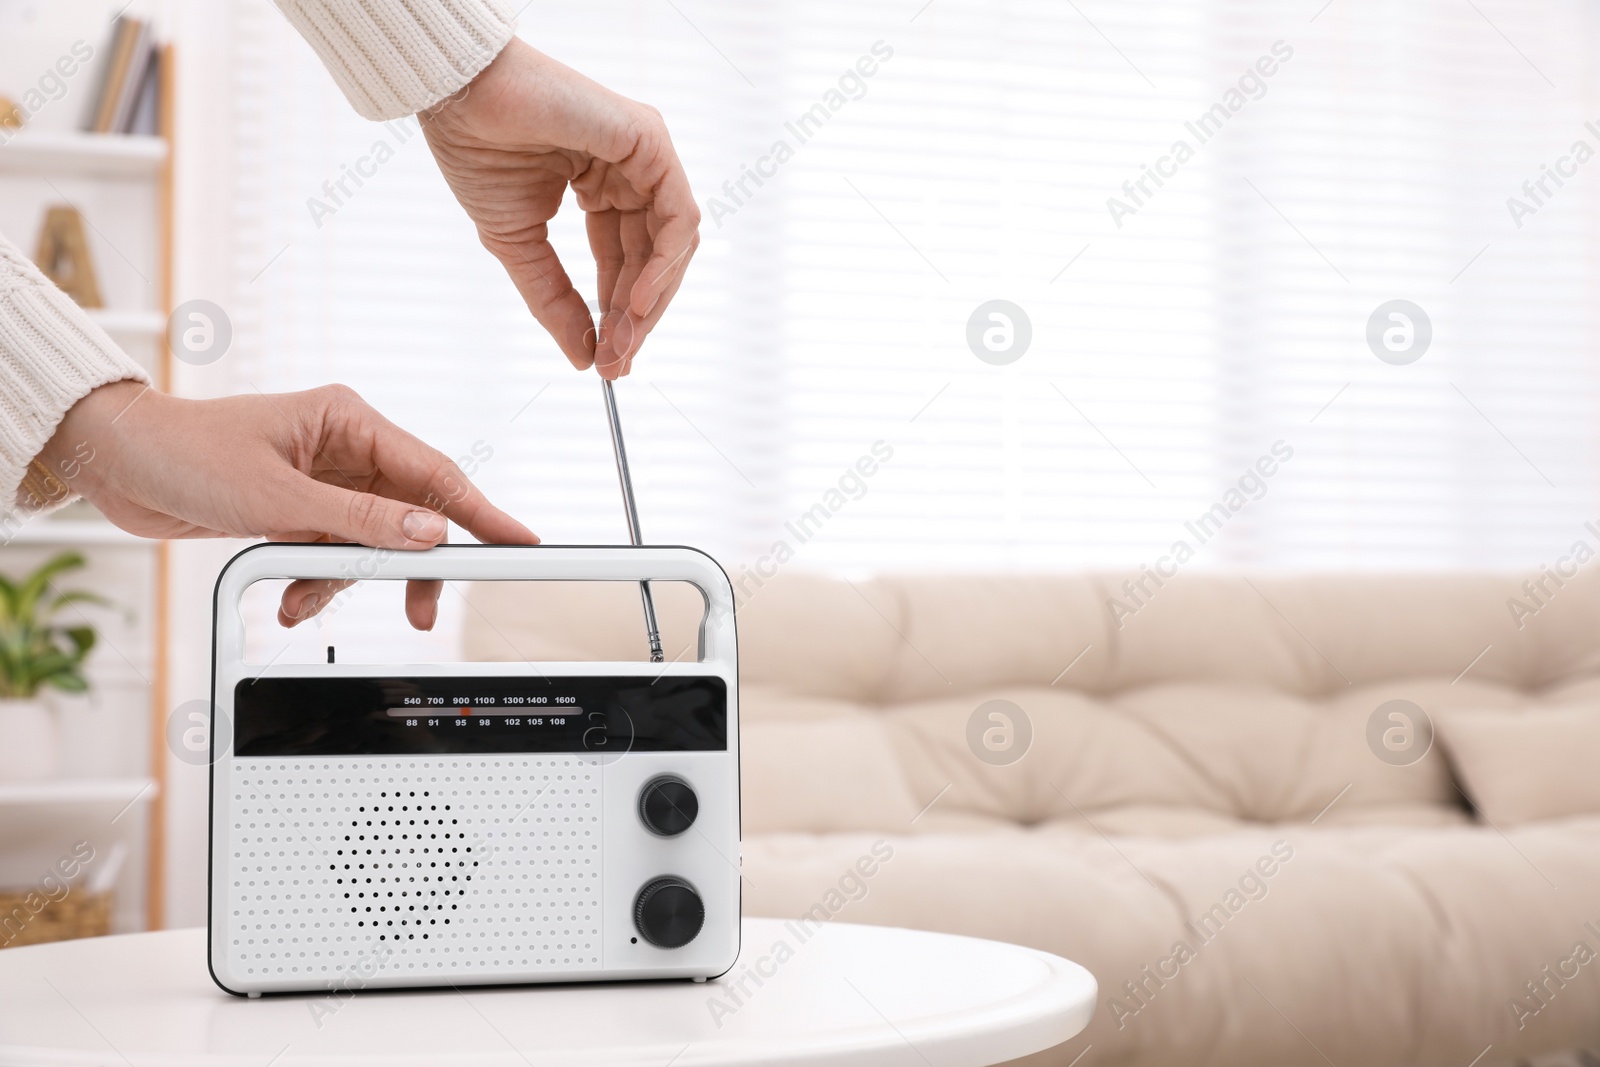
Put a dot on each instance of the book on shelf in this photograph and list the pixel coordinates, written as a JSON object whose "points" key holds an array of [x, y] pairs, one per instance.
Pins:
{"points": [[145, 116], [130, 86]]}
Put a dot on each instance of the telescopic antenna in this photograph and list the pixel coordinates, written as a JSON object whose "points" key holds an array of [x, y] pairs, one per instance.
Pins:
{"points": [[652, 631]]}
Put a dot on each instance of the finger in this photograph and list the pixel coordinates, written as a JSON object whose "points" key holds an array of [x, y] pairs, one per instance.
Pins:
{"points": [[367, 518], [635, 240], [422, 602], [422, 473], [678, 218], [630, 333], [536, 271], [305, 597], [417, 474], [605, 242]]}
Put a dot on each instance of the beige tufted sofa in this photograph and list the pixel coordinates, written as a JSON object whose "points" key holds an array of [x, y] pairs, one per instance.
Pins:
{"points": [[1198, 817]]}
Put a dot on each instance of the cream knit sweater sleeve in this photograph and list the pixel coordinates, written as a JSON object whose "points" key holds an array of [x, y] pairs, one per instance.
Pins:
{"points": [[391, 58], [397, 57], [51, 355]]}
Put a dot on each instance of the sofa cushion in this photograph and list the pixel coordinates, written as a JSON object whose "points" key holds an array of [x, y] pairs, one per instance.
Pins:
{"points": [[1521, 766], [1415, 942], [1228, 754], [809, 636], [974, 633], [1246, 699], [1314, 635]]}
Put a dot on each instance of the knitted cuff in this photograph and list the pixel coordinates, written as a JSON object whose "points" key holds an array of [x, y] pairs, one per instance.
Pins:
{"points": [[51, 356], [396, 57]]}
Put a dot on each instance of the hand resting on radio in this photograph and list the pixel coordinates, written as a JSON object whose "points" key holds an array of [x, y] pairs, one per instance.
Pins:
{"points": [[321, 465]]}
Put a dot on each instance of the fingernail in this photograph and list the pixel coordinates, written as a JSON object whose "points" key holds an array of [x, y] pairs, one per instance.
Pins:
{"points": [[308, 608], [622, 338], [422, 526], [433, 615]]}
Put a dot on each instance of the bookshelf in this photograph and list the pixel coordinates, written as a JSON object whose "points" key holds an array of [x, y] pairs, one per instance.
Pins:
{"points": [[74, 533], [84, 155], [113, 780], [118, 792], [127, 324]]}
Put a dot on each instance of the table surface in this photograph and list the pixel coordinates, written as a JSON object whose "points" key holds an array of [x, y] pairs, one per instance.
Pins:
{"points": [[838, 994]]}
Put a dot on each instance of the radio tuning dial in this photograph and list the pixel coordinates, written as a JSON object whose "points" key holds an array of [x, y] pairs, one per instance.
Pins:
{"points": [[668, 805], [668, 912]]}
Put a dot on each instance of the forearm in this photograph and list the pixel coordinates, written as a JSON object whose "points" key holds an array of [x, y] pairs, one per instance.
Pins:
{"points": [[394, 58], [51, 356]]}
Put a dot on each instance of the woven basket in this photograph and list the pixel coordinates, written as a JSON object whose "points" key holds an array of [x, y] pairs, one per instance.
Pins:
{"points": [[77, 914]]}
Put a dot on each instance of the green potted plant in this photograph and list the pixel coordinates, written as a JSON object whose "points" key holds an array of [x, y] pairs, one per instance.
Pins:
{"points": [[38, 652]]}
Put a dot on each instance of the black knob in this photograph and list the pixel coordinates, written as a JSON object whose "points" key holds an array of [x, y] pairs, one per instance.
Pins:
{"points": [[668, 912], [667, 805]]}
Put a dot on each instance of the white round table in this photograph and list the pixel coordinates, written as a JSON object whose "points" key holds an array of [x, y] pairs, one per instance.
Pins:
{"points": [[847, 996]]}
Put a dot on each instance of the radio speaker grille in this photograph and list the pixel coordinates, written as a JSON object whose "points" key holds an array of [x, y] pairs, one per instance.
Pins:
{"points": [[433, 865]]}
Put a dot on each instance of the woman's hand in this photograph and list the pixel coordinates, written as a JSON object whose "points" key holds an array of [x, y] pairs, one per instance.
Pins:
{"points": [[321, 465], [511, 143]]}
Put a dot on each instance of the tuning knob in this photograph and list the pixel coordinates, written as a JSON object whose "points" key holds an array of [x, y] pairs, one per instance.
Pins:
{"points": [[667, 805], [668, 912]]}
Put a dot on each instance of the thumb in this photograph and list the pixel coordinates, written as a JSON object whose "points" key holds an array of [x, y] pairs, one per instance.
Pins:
{"points": [[365, 518]]}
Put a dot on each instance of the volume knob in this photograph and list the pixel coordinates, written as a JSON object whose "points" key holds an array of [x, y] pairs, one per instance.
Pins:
{"points": [[668, 805], [668, 912]]}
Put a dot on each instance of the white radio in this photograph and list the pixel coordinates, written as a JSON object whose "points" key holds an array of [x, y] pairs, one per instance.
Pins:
{"points": [[472, 823]]}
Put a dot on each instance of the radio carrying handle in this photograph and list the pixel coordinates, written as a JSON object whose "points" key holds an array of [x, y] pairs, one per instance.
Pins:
{"points": [[591, 563]]}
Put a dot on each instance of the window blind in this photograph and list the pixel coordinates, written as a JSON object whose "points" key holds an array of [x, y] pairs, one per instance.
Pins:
{"points": [[1197, 317]]}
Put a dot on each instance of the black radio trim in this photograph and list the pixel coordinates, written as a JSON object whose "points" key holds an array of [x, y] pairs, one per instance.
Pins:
{"points": [[365, 716]]}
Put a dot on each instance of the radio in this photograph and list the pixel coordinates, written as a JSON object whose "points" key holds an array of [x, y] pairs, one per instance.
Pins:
{"points": [[473, 823]]}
